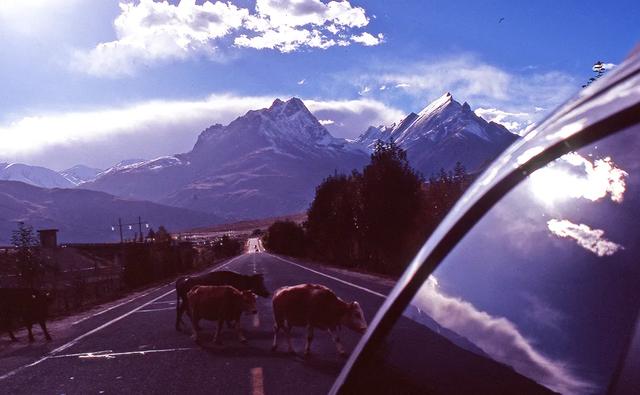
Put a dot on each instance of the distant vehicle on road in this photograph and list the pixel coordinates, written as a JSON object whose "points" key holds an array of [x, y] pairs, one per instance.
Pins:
{"points": [[531, 283]]}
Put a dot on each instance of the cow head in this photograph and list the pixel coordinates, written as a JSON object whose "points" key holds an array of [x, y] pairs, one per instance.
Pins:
{"points": [[354, 318], [249, 302], [257, 285]]}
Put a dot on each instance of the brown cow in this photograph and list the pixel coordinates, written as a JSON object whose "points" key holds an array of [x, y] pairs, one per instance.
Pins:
{"points": [[219, 303], [314, 306]]}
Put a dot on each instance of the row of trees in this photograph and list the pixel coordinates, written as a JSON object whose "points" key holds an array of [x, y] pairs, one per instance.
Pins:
{"points": [[376, 219]]}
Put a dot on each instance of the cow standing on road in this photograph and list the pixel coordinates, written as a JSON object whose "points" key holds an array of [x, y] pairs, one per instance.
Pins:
{"points": [[222, 304], [314, 306], [29, 305], [254, 283]]}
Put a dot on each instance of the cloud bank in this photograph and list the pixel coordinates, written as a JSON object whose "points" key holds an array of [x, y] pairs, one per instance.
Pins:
{"points": [[498, 337], [155, 128], [149, 32]]}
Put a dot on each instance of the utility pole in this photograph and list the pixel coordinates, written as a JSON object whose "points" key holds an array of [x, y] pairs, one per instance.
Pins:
{"points": [[139, 237]]}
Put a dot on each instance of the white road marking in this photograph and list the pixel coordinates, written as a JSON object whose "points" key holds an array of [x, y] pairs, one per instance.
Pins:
{"points": [[257, 381], [165, 302], [116, 306], [152, 310], [99, 328], [331, 277], [109, 354]]}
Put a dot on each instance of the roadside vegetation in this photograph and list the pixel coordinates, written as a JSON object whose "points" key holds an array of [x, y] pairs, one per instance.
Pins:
{"points": [[82, 275], [374, 220]]}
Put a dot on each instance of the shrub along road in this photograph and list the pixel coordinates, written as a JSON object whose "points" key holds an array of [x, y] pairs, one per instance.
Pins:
{"points": [[132, 347]]}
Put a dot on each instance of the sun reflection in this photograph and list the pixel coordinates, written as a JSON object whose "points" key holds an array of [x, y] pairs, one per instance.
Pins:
{"points": [[574, 176]]}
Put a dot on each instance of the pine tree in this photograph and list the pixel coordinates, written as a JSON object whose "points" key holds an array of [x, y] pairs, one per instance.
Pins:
{"points": [[28, 263]]}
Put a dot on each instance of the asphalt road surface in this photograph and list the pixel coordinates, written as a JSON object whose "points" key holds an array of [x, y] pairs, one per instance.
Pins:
{"points": [[131, 346]]}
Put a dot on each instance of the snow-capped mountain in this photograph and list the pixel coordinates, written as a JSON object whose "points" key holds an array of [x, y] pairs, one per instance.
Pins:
{"points": [[442, 134], [265, 163], [80, 173], [85, 216], [34, 175]]}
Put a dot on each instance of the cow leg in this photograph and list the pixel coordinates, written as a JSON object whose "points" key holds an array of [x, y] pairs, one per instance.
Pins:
{"points": [[178, 313], [287, 331], [31, 338], [216, 338], [12, 336], [307, 348], [194, 326], [276, 329], [336, 339], [181, 308], [239, 331], [43, 325]]}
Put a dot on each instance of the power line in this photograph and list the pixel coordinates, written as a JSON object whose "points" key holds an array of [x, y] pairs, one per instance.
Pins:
{"points": [[130, 225]]}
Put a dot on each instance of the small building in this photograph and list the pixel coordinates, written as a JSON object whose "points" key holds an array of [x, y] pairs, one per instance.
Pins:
{"points": [[48, 238]]}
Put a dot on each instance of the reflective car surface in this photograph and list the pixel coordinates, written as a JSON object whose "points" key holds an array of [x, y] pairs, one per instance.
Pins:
{"points": [[532, 283]]}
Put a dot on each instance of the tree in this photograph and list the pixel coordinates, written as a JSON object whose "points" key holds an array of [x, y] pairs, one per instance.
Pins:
{"points": [[285, 237], [162, 235], [151, 235], [332, 219], [28, 264], [391, 211]]}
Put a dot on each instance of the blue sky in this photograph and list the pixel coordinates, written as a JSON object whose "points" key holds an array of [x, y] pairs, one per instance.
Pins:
{"points": [[142, 78]]}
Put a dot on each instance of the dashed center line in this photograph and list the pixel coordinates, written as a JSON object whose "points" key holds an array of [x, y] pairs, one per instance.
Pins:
{"points": [[256, 320], [257, 383]]}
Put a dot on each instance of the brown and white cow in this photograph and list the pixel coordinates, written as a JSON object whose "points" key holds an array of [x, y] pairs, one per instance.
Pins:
{"points": [[221, 303], [314, 306]]}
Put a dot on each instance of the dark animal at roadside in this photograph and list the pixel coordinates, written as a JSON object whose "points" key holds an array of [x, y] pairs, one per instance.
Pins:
{"points": [[254, 283], [24, 304], [219, 303], [314, 306]]}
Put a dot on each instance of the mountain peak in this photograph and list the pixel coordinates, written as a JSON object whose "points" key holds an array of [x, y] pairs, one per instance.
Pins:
{"points": [[440, 103], [292, 106]]}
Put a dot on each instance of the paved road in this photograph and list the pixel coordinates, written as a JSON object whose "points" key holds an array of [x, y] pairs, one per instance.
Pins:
{"points": [[134, 348]]}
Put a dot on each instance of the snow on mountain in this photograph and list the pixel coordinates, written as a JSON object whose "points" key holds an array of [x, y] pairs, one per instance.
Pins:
{"points": [[264, 163], [34, 175], [85, 216], [80, 173], [442, 134]]}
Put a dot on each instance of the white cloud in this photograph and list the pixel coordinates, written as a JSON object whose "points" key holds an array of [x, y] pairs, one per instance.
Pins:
{"points": [[516, 122], [368, 39], [574, 176], [155, 128], [590, 239], [149, 32], [521, 96], [364, 91], [326, 122], [498, 337], [352, 117]]}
